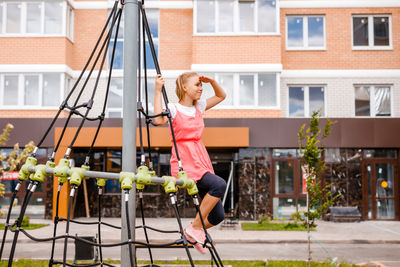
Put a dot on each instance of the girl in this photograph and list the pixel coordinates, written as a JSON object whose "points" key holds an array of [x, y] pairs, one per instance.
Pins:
{"points": [[188, 124]]}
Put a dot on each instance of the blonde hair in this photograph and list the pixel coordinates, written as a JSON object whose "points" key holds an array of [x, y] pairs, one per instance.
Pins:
{"points": [[180, 82]]}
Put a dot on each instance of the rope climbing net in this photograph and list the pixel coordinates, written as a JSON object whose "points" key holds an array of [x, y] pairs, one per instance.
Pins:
{"points": [[35, 174]]}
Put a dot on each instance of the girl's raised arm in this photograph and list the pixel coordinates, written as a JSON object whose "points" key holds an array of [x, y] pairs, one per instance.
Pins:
{"points": [[158, 102], [218, 90]]}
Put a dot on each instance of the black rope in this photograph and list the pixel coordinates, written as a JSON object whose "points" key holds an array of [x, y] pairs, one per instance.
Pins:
{"points": [[144, 223], [157, 66], [90, 103], [6, 225], [79, 78], [128, 226], [119, 14], [56, 220], [95, 86], [99, 224], [67, 225], [27, 197]]}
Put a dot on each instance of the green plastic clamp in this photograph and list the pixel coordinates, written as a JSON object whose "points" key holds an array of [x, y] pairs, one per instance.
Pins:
{"points": [[143, 177], [50, 164], [76, 176], [61, 170], [101, 182], [24, 173], [169, 184], [126, 180], [40, 173], [189, 184]]}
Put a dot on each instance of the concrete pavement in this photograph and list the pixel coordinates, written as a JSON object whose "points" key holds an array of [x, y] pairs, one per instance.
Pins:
{"points": [[367, 239]]}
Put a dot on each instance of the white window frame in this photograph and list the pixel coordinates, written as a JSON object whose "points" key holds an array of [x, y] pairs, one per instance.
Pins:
{"points": [[21, 91], [372, 100], [23, 21], [305, 33], [236, 26], [371, 45], [306, 92], [236, 90]]}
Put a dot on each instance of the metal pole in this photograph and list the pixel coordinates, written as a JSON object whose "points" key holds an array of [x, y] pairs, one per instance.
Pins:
{"points": [[129, 120]]}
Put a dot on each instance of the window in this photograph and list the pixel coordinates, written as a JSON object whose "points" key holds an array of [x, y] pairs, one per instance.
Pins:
{"points": [[152, 18], [304, 100], [31, 90], [247, 90], [36, 18], [115, 96], [305, 32], [372, 100], [372, 31], [236, 16]]}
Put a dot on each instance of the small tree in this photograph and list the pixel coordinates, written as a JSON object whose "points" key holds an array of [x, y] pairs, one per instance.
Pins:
{"points": [[16, 158], [319, 198]]}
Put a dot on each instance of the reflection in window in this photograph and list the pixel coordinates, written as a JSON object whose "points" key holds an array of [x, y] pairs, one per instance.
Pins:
{"points": [[362, 98], [296, 101], [305, 32], [246, 90], [284, 177], [316, 99], [381, 31], [246, 17], [10, 95], [316, 31], [1, 18], [266, 90], [226, 82], [51, 89], [382, 101], [205, 16], [266, 15], [33, 17], [380, 153], [118, 56], [225, 16], [377, 26], [53, 17], [115, 93], [31, 95], [303, 101], [372, 100], [295, 31], [13, 18], [360, 30]]}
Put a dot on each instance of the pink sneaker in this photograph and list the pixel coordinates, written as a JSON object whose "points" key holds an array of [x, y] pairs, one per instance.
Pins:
{"points": [[196, 245], [197, 235]]}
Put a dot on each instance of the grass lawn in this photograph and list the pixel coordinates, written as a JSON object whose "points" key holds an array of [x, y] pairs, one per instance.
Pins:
{"points": [[26, 227], [35, 263], [274, 226]]}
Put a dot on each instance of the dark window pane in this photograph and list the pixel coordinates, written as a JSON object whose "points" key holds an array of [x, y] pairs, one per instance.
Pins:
{"points": [[382, 101], [284, 183], [360, 31], [381, 31], [295, 32], [296, 101], [316, 100], [362, 101], [380, 153]]}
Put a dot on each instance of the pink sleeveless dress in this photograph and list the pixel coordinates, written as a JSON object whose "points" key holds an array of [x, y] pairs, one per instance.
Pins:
{"points": [[192, 152]]}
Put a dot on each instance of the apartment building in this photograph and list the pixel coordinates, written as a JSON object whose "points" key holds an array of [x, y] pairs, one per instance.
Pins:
{"points": [[278, 61]]}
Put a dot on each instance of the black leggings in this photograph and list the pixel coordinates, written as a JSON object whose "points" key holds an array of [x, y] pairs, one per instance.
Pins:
{"points": [[214, 186]]}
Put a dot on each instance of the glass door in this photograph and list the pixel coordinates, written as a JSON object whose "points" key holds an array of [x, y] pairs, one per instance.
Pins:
{"points": [[287, 188], [380, 196]]}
